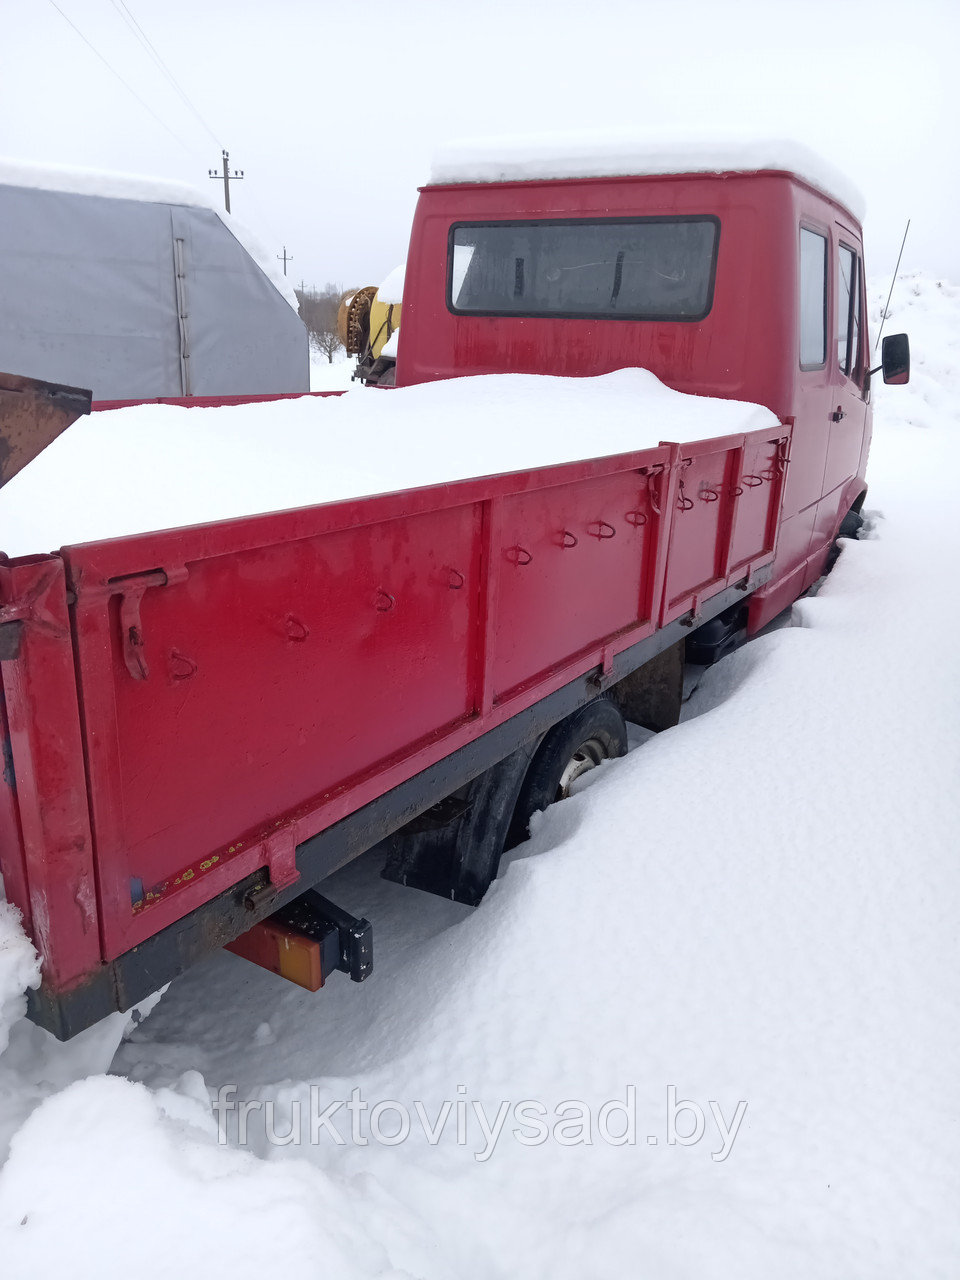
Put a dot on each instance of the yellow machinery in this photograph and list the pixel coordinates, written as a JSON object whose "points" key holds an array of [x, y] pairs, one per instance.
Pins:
{"points": [[365, 324]]}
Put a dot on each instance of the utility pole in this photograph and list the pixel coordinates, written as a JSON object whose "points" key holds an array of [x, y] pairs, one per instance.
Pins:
{"points": [[285, 259], [226, 176]]}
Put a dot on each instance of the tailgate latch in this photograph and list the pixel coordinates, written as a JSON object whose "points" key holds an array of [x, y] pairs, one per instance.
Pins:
{"points": [[131, 591]]}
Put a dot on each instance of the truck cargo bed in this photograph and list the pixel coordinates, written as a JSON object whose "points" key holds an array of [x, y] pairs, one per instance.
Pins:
{"points": [[187, 710]]}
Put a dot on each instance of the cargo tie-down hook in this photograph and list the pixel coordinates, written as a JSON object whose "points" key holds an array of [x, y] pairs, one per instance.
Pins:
{"points": [[295, 629], [180, 666], [601, 529], [518, 555]]}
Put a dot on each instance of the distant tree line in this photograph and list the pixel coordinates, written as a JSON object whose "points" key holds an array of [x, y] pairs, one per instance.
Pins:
{"points": [[318, 311]]}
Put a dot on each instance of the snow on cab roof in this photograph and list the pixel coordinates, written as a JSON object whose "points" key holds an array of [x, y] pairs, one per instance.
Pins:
{"points": [[126, 186], [531, 157]]}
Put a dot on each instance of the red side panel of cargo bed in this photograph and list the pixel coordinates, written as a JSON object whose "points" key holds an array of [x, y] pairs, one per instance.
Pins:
{"points": [[186, 707]]}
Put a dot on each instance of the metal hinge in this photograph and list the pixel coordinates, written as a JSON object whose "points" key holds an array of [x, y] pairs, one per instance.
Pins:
{"points": [[16, 612]]}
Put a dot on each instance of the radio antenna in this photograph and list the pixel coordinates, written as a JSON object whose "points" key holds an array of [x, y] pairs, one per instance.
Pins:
{"points": [[883, 317]]}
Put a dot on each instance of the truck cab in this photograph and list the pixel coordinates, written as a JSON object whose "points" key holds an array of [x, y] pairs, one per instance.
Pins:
{"points": [[746, 284]]}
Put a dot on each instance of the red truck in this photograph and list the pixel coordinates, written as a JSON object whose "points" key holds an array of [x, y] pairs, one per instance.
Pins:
{"points": [[201, 724]]}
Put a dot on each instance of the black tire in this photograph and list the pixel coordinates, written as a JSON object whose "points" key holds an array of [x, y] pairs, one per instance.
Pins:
{"points": [[850, 525], [595, 733]]}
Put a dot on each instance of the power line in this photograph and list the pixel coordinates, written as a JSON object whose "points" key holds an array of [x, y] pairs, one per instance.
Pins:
{"points": [[124, 10], [146, 107], [145, 41], [116, 73]]}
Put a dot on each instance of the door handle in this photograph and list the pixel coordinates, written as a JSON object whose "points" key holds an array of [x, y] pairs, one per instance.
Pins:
{"points": [[838, 415]]}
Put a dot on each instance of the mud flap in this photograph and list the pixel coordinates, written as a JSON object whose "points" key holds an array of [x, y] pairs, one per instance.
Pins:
{"points": [[454, 849], [652, 695]]}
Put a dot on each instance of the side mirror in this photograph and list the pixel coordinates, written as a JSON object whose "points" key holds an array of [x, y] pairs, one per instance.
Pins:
{"points": [[895, 359]]}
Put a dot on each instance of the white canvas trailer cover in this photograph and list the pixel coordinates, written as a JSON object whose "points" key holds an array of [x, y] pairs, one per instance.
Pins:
{"points": [[138, 290]]}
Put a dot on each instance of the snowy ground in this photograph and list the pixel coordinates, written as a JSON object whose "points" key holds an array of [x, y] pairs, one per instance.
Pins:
{"points": [[754, 913], [331, 375]]}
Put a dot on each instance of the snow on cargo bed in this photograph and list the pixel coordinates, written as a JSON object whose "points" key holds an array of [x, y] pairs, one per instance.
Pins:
{"points": [[162, 466]]}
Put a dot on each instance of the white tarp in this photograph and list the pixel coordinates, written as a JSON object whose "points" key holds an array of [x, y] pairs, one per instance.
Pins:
{"points": [[89, 267]]}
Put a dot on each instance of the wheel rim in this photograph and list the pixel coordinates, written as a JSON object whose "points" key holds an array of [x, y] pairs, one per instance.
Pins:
{"points": [[586, 757]]}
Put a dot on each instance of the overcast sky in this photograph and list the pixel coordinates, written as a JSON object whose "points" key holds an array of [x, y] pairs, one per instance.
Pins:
{"points": [[333, 109]]}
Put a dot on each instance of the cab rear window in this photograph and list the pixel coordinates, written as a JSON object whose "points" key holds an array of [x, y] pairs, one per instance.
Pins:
{"points": [[813, 299], [615, 268]]}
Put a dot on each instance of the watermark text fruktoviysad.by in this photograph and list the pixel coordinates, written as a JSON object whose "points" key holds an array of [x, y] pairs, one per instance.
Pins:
{"points": [[469, 1122]]}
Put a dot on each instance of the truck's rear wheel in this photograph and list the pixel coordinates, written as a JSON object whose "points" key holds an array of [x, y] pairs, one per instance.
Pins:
{"points": [[595, 733]]}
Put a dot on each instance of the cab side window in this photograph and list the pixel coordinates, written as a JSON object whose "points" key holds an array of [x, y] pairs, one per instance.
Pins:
{"points": [[813, 299], [849, 303]]}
